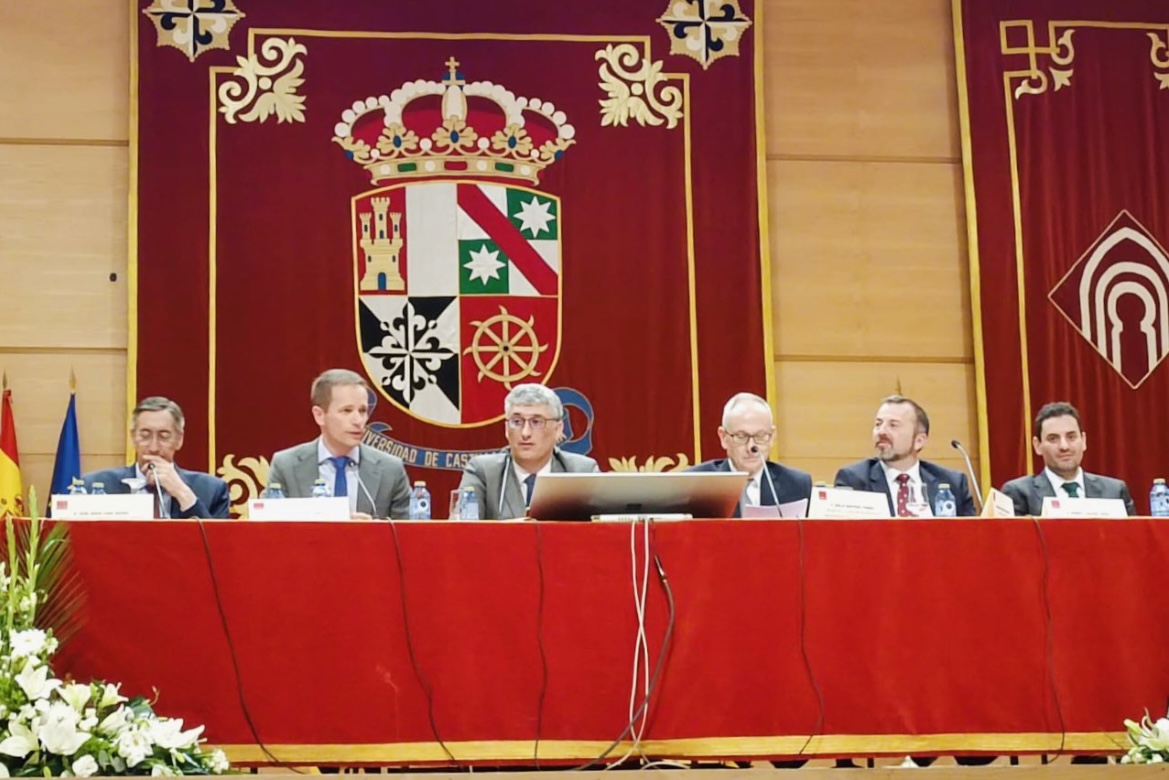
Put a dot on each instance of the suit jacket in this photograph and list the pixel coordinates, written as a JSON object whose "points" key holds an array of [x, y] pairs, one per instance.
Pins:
{"points": [[487, 475], [211, 498], [1028, 492], [868, 475], [384, 478], [790, 484]]}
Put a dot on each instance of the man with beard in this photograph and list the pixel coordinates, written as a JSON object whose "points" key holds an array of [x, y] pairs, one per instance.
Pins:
{"points": [[900, 432]]}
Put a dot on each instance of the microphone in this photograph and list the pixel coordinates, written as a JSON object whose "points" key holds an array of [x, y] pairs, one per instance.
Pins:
{"points": [[754, 448], [372, 503], [969, 471], [163, 510]]}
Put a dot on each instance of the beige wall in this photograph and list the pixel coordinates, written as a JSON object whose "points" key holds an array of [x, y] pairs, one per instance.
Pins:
{"points": [[865, 187]]}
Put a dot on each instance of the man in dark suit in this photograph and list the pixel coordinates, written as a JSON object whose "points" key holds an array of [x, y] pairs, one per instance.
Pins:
{"points": [[746, 433], [375, 482], [900, 432], [157, 430], [534, 425], [1061, 442]]}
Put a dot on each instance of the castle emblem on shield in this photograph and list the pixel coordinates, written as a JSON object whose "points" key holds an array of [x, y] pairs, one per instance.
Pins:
{"points": [[457, 254]]}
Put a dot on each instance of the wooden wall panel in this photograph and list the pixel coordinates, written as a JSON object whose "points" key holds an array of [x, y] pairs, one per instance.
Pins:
{"points": [[866, 259], [860, 78], [40, 394], [62, 235], [826, 410], [64, 70]]}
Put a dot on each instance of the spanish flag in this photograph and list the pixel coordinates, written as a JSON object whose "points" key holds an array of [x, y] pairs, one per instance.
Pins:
{"points": [[11, 492]]}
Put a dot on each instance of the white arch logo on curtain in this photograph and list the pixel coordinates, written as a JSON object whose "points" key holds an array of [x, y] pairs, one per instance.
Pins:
{"points": [[1117, 297]]}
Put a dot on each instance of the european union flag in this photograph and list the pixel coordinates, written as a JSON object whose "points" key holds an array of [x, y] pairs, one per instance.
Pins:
{"points": [[68, 463]]}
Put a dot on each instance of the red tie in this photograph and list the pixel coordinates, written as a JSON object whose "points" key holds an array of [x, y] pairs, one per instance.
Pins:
{"points": [[903, 495]]}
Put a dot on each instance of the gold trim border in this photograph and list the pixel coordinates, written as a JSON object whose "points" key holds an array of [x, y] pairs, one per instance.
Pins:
{"points": [[975, 264], [583, 750], [771, 392], [132, 240], [253, 33]]}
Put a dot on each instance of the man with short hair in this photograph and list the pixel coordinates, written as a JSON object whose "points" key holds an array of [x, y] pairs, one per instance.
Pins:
{"points": [[375, 482], [1061, 442], [534, 425], [746, 433], [156, 427], [900, 432]]}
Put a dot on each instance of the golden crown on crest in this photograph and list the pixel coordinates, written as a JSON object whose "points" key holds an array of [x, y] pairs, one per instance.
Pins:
{"points": [[452, 128]]}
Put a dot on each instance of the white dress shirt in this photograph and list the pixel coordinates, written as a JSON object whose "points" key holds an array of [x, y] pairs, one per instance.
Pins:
{"points": [[1057, 483], [328, 472]]}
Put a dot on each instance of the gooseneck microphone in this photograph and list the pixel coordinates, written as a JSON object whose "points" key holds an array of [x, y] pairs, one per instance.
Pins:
{"points": [[969, 471], [163, 509]]}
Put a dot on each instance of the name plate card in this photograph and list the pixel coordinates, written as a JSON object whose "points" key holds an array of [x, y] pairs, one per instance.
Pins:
{"points": [[843, 504], [1091, 508], [298, 508], [116, 506]]}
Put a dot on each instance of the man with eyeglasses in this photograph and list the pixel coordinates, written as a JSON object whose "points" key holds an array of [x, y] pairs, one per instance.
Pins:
{"points": [[746, 433], [534, 425], [156, 426]]}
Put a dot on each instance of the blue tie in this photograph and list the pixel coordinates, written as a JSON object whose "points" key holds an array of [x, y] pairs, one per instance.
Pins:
{"points": [[529, 486], [340, 483]]}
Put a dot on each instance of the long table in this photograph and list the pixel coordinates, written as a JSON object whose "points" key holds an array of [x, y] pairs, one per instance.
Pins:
{"points": [[415, 642]]}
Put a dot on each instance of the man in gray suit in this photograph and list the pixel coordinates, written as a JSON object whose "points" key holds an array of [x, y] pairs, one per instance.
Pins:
{"points": [[1061, 442], [375, 482], [504, 481]]}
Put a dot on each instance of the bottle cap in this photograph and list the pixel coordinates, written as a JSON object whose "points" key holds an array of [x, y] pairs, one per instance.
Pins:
{"points": [[274, 486], [419, 483], [1159, 481], [943, 486], [102, 484]]}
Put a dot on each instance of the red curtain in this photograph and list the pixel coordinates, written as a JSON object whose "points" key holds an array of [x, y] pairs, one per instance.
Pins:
{"points": [[1068, 118], [625, 270]]}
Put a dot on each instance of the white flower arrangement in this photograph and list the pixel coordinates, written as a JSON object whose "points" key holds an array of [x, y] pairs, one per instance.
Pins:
{"points": [[1150, 741], [54, 727]]}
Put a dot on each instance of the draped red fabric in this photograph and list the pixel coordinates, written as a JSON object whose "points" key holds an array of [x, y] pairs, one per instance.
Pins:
{"points": [[1068, 122], [606, 242], [936, 629]]}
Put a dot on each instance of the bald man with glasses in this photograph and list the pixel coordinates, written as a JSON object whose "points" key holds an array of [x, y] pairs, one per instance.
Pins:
{"points": [[746, 433], [534, 425]]}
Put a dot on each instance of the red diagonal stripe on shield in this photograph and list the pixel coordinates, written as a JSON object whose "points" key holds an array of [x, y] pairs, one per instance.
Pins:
{"points": [[508, 237]]}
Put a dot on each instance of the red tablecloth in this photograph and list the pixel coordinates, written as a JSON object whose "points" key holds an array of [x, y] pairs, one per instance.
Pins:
{"points": [[928, 636]]}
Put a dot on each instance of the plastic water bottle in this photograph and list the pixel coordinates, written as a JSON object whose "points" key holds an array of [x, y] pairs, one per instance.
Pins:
{"points": [[77, 487], [274, 490], [420, 502], [321, 489], [1159, 498], [945, 505], [470, 505], [99, 489]]}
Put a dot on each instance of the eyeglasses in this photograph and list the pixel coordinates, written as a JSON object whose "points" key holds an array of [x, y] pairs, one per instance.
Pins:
{"points": [[762, 439], [517, 423], [147, 436]]}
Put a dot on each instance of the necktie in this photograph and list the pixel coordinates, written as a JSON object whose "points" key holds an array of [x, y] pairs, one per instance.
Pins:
{"points": [[529, 486], [745, 499], [903, 495], [1073, 489], [340, 483]]}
